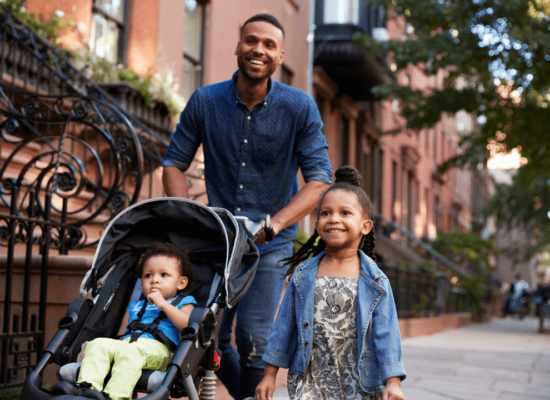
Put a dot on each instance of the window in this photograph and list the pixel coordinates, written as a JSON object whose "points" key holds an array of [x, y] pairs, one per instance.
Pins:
{"points": [[107, 30], [193, 47], [344, 141], [379, 175], [341, 12], [286, 76]]}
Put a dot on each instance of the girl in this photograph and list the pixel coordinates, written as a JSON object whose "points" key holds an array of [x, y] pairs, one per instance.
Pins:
{"points": [[337, 327]]}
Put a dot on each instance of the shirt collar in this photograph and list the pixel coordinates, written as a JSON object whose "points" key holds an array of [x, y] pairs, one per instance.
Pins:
{"points": [[268, 99]]}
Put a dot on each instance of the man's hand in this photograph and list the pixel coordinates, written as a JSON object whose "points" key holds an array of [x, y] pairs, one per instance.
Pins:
{"points": [[262, 238], [156, 298], [393, 390]]}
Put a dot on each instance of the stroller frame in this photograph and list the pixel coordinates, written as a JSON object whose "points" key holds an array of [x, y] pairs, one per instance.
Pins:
{"points": [[198, 340]]}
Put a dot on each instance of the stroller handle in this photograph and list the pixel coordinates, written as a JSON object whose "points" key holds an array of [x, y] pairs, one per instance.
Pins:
{"points": [[255, 227]]}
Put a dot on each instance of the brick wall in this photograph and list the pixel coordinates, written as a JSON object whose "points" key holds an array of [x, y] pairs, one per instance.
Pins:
{"points": [[142, 40]]}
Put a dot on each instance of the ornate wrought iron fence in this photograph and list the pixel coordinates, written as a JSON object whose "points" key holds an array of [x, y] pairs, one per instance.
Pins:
{"points": [[32, 64], [73, 163]]}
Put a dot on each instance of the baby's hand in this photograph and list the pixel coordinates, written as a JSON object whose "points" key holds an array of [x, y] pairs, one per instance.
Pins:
{"points": [[156, 298], [393, 390]]}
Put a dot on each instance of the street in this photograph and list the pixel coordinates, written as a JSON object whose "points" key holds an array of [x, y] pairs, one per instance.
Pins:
{"points": [[505, 360]]}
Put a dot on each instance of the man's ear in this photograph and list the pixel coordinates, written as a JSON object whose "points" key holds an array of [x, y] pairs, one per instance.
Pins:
{"points": [[182, 283], [281, 57], [237, 48]]}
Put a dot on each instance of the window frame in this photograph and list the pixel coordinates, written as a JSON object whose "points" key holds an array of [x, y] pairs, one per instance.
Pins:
{"points": [[185, 56], [122, 45]]}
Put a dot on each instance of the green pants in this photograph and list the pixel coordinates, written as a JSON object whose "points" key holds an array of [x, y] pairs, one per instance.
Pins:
{"points": [[127, 360]]}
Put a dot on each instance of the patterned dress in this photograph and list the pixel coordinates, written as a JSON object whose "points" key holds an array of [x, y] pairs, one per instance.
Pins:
{"points": [[332, 373]]}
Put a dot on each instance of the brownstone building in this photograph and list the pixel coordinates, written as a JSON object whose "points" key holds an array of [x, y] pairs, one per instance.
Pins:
{"points": [[195, 41]]}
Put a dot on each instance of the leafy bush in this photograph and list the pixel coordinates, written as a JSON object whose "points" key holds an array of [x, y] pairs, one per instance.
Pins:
{"points": [[153, 87]]}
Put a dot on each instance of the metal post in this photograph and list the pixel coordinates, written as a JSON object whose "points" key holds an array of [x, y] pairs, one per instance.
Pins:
{"points": [[28, 259], [8, 289], [44, 272], [63, 230], [441, 289]]}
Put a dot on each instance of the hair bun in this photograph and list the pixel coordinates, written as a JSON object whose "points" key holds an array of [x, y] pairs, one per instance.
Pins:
{"points": [[348, 175]]}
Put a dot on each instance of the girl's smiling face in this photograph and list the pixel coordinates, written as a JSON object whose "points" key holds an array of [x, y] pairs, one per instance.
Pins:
{"points": [[342, 221]]}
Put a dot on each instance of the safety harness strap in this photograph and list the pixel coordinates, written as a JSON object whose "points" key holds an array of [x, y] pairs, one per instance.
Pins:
{"points": [[136, 328]]}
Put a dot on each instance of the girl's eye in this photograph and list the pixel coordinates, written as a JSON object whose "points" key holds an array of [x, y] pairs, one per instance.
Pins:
{"points": [[164, 274], [345, 212], [147, 275], [325, 213]]}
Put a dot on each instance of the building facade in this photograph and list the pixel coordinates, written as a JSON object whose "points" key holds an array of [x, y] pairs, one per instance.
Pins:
{"points": [[195, 41]]}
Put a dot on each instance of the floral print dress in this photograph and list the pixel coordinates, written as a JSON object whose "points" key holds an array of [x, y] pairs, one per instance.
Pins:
{"points": [[332, 373]]}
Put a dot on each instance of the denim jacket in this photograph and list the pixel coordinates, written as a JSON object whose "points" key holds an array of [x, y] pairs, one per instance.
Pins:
{"points": [[379, 343]]}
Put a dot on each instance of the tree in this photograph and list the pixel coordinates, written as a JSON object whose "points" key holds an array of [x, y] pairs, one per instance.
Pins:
{"points": [[497, 55]]}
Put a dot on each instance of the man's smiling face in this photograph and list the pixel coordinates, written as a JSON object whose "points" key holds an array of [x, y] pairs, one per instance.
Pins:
{"points": [[260, 50]]}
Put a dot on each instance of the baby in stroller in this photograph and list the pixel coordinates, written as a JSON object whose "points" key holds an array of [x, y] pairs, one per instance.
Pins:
{"points": [[152, 333], [224, 261]]}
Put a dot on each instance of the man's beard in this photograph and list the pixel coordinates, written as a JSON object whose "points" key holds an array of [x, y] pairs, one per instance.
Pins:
{"points": [[242, 69]]}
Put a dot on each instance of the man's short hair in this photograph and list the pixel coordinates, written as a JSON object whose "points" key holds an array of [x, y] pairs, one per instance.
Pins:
{"points": [[265, 18], [171, 251]]}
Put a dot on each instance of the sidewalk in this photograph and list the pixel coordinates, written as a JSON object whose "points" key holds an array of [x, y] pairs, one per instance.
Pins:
{"points": [[505, 360]]}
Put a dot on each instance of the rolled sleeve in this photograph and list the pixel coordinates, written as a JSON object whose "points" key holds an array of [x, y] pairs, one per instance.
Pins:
{"points": [[186, 139], [311, 146], [386, 335], [283, 340], [392, 370], [277, 359]]}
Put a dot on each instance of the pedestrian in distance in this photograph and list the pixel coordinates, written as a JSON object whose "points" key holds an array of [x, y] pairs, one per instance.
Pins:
{"points": [[152, 333], [337, 328], [256, 134]]}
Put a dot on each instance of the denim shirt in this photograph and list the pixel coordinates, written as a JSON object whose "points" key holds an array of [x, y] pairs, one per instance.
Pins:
{"points": [[252, 157], [379, 351]]}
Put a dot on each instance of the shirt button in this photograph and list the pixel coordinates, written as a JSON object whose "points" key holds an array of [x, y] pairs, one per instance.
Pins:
{"points": [[306, 344], [244, 164], [241, 186], [306, 325], [265, 103], [249, 117], [246, 140], [238, 208]]}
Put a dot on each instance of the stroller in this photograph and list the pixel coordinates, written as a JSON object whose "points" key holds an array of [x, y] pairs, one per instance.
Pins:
{"points": [[224, 260]]}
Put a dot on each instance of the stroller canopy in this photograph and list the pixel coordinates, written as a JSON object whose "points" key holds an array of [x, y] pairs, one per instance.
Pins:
{"points": [[222, 252]]}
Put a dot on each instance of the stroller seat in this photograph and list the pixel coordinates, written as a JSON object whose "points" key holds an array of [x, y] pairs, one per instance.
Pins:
{"points": [[149, 381], [224, 260]]}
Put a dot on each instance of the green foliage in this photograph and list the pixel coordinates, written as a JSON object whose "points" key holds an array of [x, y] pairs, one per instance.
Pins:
{"points": [[497, 56], [49, 30], [153, 87], [469, 249], [527, 205], [11, 394]]}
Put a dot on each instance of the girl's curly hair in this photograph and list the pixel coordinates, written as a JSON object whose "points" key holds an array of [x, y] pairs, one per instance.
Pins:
{"points": [[347, 178]]}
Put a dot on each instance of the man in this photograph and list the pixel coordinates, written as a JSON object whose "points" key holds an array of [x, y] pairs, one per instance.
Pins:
{"points": [[256, 133]]}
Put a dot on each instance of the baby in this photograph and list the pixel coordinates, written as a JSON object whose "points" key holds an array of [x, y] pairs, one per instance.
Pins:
{"points": [[152, 333]]}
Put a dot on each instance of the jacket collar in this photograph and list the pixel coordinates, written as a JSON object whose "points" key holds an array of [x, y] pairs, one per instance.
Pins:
{"points": [[369, 269]]}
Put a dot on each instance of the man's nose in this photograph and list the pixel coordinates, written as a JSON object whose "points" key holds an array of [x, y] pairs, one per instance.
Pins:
{"points": [[259, 48]]}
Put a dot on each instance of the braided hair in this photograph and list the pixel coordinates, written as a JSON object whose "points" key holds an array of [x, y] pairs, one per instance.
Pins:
{"points": [[347, 178]]}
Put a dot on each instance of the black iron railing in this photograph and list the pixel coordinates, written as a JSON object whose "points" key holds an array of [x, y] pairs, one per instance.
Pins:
{"points": [[31, 64]]}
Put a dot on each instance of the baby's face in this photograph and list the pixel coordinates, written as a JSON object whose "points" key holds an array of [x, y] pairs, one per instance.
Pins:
{"points": [[162, 274]]}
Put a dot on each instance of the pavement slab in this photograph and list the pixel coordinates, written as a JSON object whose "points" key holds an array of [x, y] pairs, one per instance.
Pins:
{"points": [[506, 359]]}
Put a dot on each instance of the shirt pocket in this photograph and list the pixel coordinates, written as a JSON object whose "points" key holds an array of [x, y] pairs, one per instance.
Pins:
{"points": [[371, 368], [270, 149]]}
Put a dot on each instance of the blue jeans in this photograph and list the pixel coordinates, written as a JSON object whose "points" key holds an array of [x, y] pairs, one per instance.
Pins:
{"points": [[243, 369]]}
